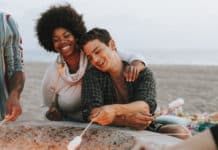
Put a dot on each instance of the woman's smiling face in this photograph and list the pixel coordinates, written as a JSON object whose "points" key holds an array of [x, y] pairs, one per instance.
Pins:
{"points": [[63, 41]]}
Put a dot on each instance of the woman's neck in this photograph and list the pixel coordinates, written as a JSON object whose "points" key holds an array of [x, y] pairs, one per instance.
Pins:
{"points": [[73, 61]]}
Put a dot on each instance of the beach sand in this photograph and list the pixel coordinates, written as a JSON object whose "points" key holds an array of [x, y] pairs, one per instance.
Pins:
{"points": [[195, 84]]}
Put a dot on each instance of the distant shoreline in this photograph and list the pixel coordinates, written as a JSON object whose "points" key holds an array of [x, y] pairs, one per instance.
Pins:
{"points": [[165, 57]]}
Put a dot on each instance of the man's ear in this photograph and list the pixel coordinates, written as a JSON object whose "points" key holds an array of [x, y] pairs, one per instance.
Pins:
{"points": [[112, 44]]}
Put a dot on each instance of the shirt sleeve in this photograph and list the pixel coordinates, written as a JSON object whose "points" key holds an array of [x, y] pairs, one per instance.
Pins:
{"points": [[214, 132], [145, 89], [130, 57], [13, 49], [92, 94]]}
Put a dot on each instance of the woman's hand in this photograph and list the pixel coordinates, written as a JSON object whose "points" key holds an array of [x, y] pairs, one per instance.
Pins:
{"points": [[53, 113], [131, 72]]}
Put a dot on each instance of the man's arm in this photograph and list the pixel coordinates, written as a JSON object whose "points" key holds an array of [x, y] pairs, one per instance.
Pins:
{"points": [[144, 91], [15, 75], [135, 115]]}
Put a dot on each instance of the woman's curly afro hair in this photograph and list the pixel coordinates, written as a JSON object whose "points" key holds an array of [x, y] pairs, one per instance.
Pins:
{"points": [[58, 16]]}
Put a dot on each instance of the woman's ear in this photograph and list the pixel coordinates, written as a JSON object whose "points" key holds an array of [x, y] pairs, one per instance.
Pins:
{"points": [[112, 44]]}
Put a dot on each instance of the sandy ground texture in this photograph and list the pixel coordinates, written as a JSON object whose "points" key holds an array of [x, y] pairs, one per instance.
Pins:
{"points": [[195, 84]]}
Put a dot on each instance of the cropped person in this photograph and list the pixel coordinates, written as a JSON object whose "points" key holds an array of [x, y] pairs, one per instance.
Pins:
{"points": [[12, 68], [207, 140]]}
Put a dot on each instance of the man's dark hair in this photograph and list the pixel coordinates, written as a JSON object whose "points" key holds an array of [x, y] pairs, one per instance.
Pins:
{"points": [[96, 33], [55, 17]]}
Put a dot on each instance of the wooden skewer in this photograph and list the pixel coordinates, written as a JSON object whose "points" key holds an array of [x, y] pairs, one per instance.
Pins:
{"points": [[2, 122], [90, 123]]}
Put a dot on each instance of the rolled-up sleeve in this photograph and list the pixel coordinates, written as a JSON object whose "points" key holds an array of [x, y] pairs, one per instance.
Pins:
{"points": [[13, 49]]}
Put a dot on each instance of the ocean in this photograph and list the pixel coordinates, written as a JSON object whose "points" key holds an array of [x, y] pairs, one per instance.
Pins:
{"points": [[175, 57]]}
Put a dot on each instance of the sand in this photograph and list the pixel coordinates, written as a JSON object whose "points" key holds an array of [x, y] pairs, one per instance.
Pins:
{"points": [[195, 84]]}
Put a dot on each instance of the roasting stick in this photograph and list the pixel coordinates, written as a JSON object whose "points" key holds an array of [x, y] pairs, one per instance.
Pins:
{"points": [[75, 143], [3, 121], [90, 123]]}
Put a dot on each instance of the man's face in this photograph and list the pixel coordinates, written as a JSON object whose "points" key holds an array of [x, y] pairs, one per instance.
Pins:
{"points": [[99, 54]]}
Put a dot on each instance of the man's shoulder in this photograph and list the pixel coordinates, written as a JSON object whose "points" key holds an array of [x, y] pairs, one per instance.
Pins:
{"points": [[146, 71], [93, 72], [145, 74]]}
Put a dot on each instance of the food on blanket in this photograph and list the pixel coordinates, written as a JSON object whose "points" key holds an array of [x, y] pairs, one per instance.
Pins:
{"points": [[176, 103], [173, 108], [169, 119]]}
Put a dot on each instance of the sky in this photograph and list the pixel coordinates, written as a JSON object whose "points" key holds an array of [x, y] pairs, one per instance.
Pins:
{"points": [[134, 24]]}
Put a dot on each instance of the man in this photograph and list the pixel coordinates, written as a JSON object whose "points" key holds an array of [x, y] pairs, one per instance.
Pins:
{"points": [[106, 97], [11, 72]]}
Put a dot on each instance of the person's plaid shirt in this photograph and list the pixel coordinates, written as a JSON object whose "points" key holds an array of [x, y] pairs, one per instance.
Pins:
{"points": [[98, 90]]}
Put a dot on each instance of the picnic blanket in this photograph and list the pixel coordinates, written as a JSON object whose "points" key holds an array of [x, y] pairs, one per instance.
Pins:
{"points": [[174, 114]]}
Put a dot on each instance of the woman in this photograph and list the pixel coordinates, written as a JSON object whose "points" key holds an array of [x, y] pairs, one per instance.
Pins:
{"points": [[58, 30]]}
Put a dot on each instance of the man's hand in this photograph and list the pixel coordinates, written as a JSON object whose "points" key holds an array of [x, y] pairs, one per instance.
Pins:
{"points": [[131, 72], [139, 121], [13, 108], [103, 115]]}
